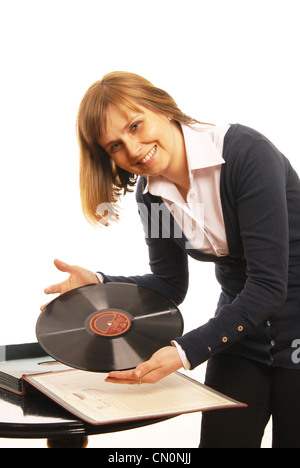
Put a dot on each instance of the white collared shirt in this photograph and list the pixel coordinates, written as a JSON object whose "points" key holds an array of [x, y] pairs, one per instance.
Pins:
{"points": [[200, 216]]}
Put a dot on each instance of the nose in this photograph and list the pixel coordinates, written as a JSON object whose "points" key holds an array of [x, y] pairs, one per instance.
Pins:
{"points": [[134, 148]]}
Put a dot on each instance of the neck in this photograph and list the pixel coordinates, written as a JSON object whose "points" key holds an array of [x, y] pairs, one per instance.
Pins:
{"points": [[178, 171], [181, 179]]}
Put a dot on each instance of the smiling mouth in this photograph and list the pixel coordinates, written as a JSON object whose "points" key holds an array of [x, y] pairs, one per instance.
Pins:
{"points": [[149, 156]]}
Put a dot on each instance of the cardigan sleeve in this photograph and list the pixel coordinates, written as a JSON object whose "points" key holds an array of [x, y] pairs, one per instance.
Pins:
{"points": [[259, 184]]}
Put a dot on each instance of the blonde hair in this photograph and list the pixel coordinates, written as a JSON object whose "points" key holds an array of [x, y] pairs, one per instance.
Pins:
{"points": [[101, 181]]}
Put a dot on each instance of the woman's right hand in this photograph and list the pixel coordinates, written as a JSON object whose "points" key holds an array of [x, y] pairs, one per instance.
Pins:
{"points": [[78, 277]]}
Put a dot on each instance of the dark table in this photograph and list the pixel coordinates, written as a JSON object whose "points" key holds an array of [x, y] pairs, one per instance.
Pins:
{"points": [[37, 417]]}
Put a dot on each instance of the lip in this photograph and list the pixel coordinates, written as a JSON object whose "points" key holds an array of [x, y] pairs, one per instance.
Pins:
{"points": [[152, 157]]}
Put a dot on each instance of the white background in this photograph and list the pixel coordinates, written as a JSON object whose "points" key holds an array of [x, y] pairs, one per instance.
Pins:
{"points": [[224, 61]]}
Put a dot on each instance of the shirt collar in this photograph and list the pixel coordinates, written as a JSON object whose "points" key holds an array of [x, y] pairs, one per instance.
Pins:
{"points": [[200, 148], [201, 153]]}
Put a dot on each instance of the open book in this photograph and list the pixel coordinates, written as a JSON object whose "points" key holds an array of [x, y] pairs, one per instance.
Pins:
{"points": [[90, 398]]}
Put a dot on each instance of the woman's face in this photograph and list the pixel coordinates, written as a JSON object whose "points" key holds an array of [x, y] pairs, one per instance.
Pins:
{"points": [[142, 143]]}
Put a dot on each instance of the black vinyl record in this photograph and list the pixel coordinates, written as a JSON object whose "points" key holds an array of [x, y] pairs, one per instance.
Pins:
{"points": [[106, 327]]}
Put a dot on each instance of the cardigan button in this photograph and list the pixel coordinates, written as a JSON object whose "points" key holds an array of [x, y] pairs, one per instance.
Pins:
{"points": [[225, 339], [240, 328]]}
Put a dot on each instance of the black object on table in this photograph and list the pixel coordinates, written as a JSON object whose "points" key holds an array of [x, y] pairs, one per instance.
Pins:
{"points": [[35, 416]]}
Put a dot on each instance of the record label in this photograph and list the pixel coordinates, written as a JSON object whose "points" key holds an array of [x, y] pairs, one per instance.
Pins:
{"points": [[110, 323]]}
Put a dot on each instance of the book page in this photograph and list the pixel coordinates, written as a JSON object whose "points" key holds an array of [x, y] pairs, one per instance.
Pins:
{"points": [[91, 398]]}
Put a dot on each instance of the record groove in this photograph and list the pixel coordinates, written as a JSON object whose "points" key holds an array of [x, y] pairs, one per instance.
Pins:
{"points": [[105, 327]]}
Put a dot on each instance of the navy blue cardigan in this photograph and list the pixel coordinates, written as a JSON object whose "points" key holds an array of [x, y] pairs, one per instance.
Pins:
{"points": [[258, 313]]}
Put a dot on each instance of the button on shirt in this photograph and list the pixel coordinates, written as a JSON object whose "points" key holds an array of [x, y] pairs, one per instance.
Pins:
{"points": [[199, 216]]}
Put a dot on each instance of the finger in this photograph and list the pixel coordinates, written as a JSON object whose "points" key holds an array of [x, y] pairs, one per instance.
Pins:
{"points": [[136, 374], [65, 267], [123, 381], [122, 375], [133, 376], [144, 369], [43, 306], [53, 289]]}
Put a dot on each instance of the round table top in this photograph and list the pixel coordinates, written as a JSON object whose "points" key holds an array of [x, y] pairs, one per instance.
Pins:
{"points": [[37, 416]]}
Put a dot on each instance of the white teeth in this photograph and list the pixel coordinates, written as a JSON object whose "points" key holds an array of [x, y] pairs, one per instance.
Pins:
{"points": [[149, 156]]}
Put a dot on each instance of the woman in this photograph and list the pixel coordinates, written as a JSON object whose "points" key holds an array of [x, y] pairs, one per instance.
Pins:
{"points": [[248, 226]]}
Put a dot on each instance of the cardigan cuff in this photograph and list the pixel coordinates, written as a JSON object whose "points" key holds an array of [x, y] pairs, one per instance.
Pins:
{"points": [[215, 336]]}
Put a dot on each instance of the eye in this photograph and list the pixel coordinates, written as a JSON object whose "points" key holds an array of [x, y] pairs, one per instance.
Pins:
{"points": [[115, 147], [135, 126]]}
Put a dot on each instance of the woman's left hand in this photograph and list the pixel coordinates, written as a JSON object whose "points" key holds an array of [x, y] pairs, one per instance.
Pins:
{"points": [[164, 362]]}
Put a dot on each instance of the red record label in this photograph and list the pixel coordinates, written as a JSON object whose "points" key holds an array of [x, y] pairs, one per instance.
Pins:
{"points": [[110, 323]]}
